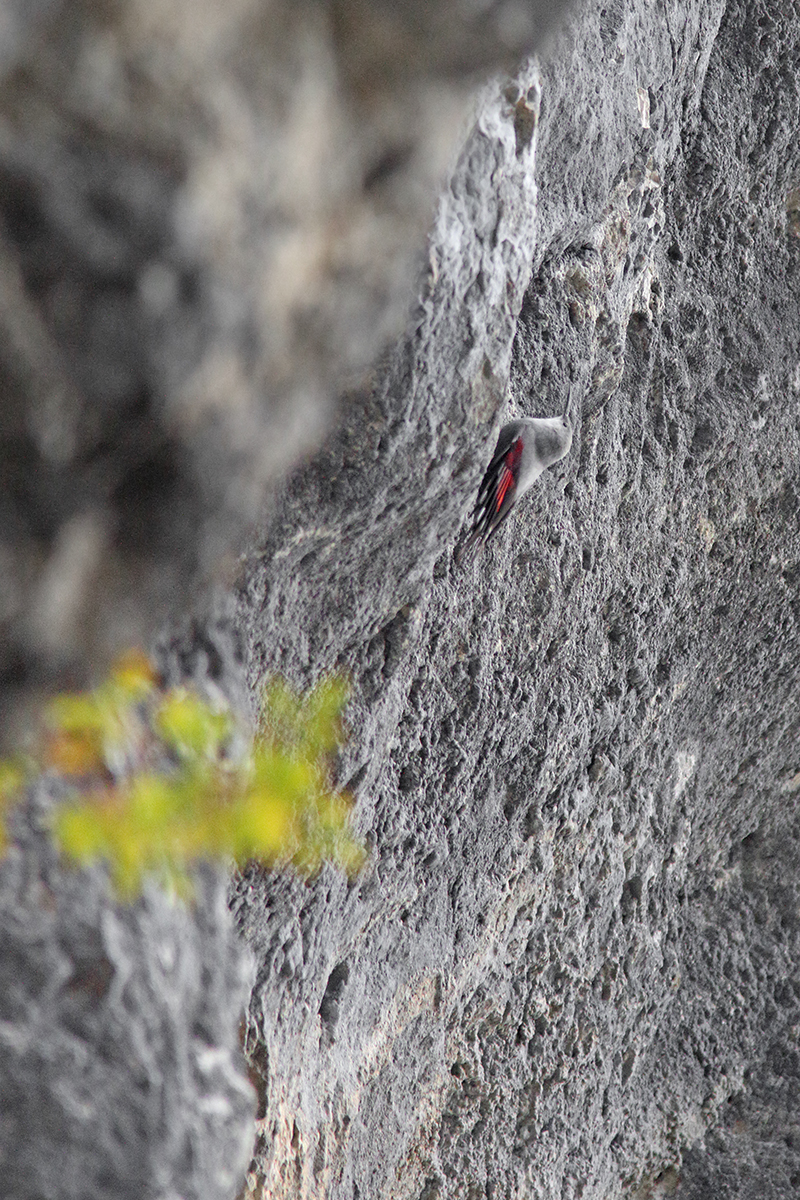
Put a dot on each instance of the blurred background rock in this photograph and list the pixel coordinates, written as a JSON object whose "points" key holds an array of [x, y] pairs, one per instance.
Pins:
{"points": [[212, 217]]}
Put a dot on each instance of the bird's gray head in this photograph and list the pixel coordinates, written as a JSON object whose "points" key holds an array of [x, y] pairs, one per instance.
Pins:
{"points": [[553, 439]]}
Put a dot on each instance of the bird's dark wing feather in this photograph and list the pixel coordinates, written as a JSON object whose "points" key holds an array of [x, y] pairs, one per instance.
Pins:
{"points": [[508, 434], [496, 493]]}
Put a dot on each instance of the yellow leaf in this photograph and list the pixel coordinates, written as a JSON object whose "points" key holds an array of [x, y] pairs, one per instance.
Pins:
{"points": [[261, 826], [77, 829], [321, 715], [191, 727], [12, 778], [76, 714], [160, 814], [74, 752], [134, 673], [149, 802]]}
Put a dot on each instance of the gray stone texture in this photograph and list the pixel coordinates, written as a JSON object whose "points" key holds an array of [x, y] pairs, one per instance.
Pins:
{"points": [[570, 968], [120, 1069]]}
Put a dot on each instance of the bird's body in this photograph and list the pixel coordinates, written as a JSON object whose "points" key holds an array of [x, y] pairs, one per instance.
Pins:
{"points": [[524, 449]]}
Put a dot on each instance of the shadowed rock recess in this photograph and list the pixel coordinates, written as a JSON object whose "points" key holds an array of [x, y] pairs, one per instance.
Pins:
{"points": [[571, 967]]}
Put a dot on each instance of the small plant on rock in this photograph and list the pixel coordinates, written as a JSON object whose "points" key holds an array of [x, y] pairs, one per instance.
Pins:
{"points": [[159, 779]]}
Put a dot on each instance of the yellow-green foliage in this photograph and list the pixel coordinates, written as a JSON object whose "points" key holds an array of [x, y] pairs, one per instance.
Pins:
{"points": [[12, 778], [158, 784]]}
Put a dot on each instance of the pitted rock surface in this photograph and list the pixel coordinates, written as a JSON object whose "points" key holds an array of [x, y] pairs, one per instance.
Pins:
{"points": [[570, 966], [120, 1061], [575, 762]]}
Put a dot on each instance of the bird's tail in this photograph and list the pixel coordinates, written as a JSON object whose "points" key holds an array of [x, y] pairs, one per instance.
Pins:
{"points": [[469, 548]]}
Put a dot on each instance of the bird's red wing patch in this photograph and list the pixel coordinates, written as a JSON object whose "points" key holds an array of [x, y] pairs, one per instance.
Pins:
{"points": [[508, 472], [506, 480]]}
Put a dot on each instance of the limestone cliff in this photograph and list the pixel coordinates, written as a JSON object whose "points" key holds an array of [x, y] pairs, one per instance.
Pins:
{"points": [[570, 966]]}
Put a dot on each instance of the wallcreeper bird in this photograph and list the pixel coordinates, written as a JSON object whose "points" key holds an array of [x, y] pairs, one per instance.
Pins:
{"points": [[525, 448]]}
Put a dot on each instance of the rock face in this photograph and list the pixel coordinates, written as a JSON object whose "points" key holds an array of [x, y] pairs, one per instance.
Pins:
{"points": [[120, 1066], [572, 961], [570, 968]]}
